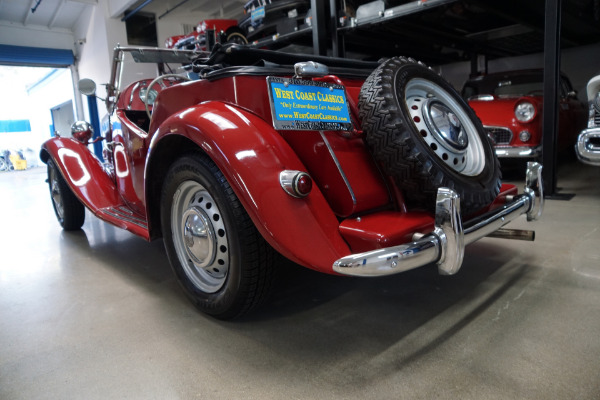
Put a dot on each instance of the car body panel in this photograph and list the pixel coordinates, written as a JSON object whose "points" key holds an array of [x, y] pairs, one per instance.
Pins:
{"points": [[91, 183], [251, 154]]}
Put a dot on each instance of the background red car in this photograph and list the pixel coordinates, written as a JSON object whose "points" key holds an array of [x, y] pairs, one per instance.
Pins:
{"points": [[510, 104], [224, 31]]}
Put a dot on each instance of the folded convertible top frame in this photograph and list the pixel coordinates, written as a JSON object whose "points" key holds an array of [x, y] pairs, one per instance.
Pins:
{"points": [[445, 245]]}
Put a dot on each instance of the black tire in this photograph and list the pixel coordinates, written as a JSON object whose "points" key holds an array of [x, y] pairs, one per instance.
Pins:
{"points": [[3, 164], [235, 35], [69, 211], [219, 258], [402, 106]]}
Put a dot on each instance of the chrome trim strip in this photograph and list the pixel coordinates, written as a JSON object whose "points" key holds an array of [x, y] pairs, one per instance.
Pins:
{"points": [[587, 152], [339, 167], [445, 245], [518, 152], [121, 215], [132, 95]]}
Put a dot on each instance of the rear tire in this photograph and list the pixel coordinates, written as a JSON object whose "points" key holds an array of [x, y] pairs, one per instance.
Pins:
{"points": [[69, 211], [218, 256], [426, 136]]}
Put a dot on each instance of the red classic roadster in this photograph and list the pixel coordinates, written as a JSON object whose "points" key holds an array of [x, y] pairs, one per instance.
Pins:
{"points": [[342, 166], [509, 105]]}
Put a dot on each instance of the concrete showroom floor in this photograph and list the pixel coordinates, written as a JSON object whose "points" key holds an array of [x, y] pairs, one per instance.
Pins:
{"points": [[97, 314]]}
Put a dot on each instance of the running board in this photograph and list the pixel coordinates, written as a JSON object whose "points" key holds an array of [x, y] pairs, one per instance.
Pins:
{"points": [[123, 217]]}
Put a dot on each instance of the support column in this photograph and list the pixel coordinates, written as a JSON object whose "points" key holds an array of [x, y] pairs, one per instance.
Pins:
{"points": [[319, 26], [551, 90]]}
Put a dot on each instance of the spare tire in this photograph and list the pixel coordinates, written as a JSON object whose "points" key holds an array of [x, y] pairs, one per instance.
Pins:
{"points": [[425, 136]]}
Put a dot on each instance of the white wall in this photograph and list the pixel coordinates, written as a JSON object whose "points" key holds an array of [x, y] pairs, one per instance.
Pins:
{"points": [[35, 36], [94, 57]]}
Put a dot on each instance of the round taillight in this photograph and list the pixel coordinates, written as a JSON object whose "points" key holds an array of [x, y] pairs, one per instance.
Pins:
{"points": [[303, 184], [295, 183]]}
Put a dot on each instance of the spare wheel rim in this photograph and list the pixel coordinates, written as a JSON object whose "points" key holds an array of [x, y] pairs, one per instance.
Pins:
{"points": [[445, 126]]}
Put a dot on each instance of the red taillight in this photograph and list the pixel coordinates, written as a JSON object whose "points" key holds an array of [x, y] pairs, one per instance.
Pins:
{"points": [[303, 184], [295, 183]]}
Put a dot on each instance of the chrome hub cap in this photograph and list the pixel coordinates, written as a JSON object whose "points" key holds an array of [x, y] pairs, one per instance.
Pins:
{"points": [[445, 126], [443, 123], [199, 237]]}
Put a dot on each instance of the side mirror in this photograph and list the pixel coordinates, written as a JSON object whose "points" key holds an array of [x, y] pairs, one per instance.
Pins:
{"points": [[87, 87]]}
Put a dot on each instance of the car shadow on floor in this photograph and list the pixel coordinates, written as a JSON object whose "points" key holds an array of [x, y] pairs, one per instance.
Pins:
{"points": [[311, 315]]}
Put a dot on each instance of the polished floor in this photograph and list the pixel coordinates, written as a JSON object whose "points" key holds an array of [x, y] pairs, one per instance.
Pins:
{"points": [[96, 314]]}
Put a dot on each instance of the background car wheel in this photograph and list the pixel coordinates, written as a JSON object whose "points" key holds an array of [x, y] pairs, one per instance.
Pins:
{"points": [[236, 36], [3, 165], [426, 136], [219, 258], [67, 207]]}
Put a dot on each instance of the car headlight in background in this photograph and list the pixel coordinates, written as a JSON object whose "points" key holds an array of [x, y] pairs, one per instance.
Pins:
{"points": [[597, 102], [524, 111]]}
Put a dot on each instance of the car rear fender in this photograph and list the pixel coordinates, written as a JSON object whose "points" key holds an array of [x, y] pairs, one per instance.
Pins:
{"points": [[251, 155], [82, 171]]}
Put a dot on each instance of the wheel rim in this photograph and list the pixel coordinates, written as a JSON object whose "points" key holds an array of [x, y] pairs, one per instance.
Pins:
{"points": [[56, 194], [445, 126], [200, 237], [237, 38]]}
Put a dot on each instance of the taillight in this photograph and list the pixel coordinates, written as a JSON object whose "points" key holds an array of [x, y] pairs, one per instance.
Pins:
{"points": [[295, 183]]}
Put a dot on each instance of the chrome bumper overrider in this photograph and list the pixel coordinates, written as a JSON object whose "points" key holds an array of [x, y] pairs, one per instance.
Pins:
{"points": [[445, 245], [588, 152]]}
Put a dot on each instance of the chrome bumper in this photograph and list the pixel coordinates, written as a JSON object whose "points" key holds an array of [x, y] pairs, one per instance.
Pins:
{"points": [[446, 244], [588, 152], [518, 152]]}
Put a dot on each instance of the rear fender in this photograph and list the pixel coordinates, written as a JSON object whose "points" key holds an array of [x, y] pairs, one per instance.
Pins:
{"points": [[251, 155], [82, 171]]}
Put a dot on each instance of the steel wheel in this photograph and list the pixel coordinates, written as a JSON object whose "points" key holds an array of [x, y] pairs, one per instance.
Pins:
{"points": [[218, 256], [200, 237], [445, 127], [55, 193], [69, 211]]}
